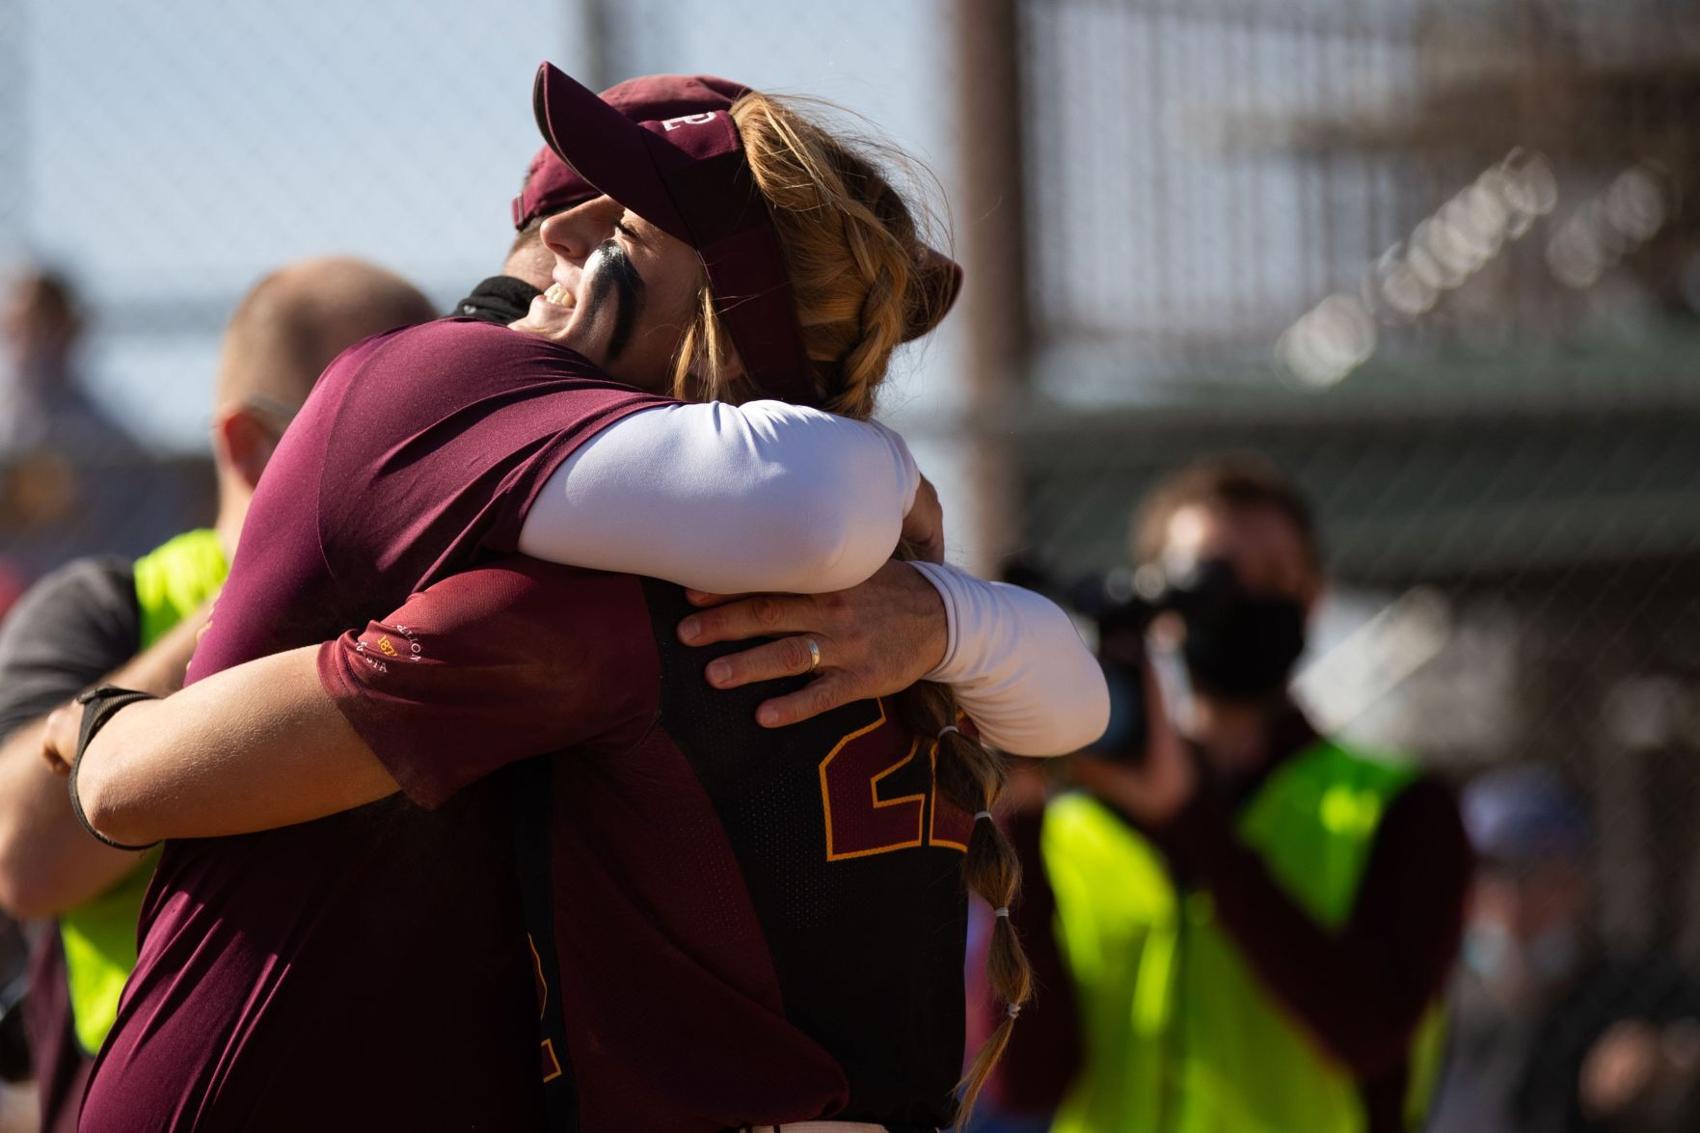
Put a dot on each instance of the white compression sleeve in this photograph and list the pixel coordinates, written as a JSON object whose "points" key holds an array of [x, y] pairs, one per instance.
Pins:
{"points": [[1018, 666], [763, 496]]}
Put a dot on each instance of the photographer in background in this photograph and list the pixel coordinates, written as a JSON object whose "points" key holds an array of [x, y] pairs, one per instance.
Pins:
{"points": [[1238, 924]]}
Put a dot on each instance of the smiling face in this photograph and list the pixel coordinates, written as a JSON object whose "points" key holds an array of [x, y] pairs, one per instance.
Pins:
{"points": [[623, 292]]}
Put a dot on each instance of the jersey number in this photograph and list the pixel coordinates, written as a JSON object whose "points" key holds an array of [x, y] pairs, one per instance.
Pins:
{"points": [[860, 822]]}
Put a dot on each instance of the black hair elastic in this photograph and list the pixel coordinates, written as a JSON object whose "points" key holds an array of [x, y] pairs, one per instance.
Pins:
{"points": [[99, 706]]}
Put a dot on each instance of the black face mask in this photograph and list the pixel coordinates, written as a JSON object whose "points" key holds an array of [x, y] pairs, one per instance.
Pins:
{"points": [[1244, 646]]}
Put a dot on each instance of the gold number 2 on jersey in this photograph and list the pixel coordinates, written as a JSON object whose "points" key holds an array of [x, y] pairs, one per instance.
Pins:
{"points": [[859, 822]]}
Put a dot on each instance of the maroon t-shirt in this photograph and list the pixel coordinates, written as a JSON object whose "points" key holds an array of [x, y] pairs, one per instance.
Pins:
{"points": [[360, 972], [751, 926]]}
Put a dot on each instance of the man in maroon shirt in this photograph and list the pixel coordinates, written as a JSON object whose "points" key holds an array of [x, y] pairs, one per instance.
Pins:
{"points": [[1358, 992]]}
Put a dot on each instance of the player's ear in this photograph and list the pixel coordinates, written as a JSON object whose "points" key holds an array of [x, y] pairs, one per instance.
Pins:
{"points": [[243, 444]]}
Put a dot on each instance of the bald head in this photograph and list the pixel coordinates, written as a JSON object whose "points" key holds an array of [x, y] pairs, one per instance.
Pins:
{"points": [[295, 320], [287, 330]]}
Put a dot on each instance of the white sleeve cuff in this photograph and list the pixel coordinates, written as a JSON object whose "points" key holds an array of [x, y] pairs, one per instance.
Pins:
{"points": [[1017, 666]]}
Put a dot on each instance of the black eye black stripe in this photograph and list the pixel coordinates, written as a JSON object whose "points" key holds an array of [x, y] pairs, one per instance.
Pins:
{"points": [[616, 273]]}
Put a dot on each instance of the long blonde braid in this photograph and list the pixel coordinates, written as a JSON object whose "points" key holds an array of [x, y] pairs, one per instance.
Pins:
{"points": [[864, 283]]}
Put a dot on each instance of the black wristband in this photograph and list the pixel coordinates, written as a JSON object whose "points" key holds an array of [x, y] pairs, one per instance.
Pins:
{"points": [[99, 706]]}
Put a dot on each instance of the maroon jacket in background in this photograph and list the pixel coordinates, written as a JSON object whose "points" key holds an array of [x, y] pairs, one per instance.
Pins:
{"points": [[366, 971], [1360, 991]]}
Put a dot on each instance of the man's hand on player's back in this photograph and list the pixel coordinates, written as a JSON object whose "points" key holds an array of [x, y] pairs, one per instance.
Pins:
{"points": [[873, 640]]}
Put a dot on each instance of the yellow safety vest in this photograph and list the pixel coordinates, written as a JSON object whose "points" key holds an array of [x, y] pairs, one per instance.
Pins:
{"points": [[1180, 1035], [99, 936]]}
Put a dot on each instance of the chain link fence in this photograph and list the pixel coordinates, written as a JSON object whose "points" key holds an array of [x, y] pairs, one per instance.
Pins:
{"points": [[1439, 261]]}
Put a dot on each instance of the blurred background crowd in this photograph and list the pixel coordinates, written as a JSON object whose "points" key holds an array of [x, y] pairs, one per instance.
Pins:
{"points": [[1438, 261]]}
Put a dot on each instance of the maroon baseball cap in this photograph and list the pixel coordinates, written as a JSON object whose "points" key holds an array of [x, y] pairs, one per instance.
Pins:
{"points": [[688, 176], [551, 184]]}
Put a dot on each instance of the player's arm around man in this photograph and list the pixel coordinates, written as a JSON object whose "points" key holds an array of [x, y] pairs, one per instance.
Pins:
{"points": [[264, 744], [1327, 939]]}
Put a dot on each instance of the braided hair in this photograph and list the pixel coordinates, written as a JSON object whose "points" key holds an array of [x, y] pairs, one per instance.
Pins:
{"points": [[864, 283]]}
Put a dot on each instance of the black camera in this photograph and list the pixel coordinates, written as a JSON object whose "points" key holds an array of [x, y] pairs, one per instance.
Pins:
{"points": [[1122, 603]]}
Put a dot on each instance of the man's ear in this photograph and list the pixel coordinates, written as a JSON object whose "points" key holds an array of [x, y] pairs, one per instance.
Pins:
{"points": [[243, 444]]}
